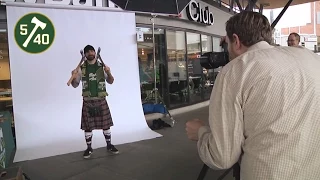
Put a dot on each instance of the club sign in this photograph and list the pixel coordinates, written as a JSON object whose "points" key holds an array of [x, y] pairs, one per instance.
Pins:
{"points": [[196, 13]]}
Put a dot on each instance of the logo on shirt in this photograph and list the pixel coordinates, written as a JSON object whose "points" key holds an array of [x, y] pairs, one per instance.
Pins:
{"points": [[92, 77], [102, 85]]}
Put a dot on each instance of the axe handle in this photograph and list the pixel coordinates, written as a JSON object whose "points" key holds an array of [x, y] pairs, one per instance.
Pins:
{"points": [[75, 75], [99, 57]]}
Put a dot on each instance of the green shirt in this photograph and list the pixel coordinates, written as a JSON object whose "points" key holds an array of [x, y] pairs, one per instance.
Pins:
{"points": [[93, 84], [93, 80]]}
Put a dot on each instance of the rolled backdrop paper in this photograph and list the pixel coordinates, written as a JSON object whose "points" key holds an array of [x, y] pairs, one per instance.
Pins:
{"points": [[47, 112]]}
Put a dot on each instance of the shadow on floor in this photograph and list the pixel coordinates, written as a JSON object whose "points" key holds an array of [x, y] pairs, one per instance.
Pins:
{"points": [[171, 157]]}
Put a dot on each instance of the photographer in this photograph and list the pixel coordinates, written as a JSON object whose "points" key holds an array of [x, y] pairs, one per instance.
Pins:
{"points": [[264, 108]]}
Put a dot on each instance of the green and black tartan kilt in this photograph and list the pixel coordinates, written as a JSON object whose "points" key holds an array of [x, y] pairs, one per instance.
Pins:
{"points": [[95, 114]]}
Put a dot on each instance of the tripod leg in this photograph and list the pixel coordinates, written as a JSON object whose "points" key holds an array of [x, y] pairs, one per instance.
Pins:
{"points": [[166, 109], [172, 121], [203, 172], [224, 174], [205, 168], [162, 101], [236, 171], [149, 96]]}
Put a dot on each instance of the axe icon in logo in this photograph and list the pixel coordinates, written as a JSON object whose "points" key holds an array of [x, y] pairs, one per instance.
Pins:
{"points": [[34, 33]]}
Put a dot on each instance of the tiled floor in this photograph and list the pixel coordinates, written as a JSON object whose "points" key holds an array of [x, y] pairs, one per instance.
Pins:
{"points": [[172, 157]]}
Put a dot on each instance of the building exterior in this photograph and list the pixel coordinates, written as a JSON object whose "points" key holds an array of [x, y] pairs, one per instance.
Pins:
{"points": [[179, 42], [309, 33]]}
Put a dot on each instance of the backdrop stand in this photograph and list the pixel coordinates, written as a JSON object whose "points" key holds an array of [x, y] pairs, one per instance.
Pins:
{"points": [[154, 94]]}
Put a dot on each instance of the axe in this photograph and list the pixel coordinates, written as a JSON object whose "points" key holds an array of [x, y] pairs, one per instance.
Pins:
{"points": [[99, 57], [74, 75], [38, 24]]}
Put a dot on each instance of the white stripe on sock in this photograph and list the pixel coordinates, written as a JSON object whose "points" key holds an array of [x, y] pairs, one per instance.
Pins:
{"points": [[107, 132], [88, 135]]}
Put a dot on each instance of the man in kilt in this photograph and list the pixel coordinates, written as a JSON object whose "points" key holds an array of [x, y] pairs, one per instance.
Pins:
{"points": [[95, 109]]}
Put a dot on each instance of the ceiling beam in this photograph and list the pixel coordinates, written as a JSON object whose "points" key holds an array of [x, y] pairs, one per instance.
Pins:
{"points": [[275, 22], [261, 9], [239, 5], [251, 5]]}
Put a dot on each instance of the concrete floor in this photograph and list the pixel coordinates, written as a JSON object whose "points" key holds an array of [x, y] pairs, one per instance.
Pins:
{"points": [[171, 157]]}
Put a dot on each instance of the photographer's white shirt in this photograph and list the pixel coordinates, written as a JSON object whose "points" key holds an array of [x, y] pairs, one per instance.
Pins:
{"points": [[265, 112]]}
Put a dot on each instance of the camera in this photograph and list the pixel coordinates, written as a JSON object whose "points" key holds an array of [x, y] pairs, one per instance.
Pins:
{"points": [[212, 60]]}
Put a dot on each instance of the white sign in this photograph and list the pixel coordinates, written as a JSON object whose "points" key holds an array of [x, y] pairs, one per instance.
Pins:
{"points": [[140, 37], [201, 15], [311, 39]]}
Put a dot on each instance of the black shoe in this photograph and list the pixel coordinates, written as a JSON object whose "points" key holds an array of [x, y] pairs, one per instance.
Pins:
{"points": [[112, 149], [87, 153]]}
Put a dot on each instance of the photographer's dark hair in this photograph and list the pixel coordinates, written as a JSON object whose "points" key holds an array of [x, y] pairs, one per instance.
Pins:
{"points": [[250, 27]]}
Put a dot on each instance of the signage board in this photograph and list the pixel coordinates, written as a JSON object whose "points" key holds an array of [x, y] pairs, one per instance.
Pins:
{"points": [[197, 13], [140, 37]]}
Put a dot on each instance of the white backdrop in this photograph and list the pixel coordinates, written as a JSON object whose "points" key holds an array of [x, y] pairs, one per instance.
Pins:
{"points": [[47, 112]]}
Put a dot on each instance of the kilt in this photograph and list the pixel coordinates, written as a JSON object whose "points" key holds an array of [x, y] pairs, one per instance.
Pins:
{"points": [[102, 121]]}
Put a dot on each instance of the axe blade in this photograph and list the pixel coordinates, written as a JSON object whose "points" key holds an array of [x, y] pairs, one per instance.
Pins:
{"points": [[99, 57], [98, 53], [81, 52]]}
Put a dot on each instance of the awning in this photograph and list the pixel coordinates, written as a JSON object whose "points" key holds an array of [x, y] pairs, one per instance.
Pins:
{"points": [[170, 7], [271, 4]]}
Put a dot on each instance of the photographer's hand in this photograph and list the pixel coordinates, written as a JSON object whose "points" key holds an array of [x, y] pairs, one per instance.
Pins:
{"points": [[192, 128]]}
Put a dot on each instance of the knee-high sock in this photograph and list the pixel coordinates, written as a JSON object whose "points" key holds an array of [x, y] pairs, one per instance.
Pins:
{"points": [[88, 136], [107, 135]]}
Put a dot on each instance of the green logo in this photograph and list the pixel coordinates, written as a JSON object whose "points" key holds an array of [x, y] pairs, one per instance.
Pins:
{"points": [[34, 33]]}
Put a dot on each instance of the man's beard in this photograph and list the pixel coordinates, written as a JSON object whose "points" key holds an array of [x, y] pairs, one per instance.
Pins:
{"points": [[90, 58]]}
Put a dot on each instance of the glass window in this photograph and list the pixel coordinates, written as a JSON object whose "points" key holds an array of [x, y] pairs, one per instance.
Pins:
{"points": [[195, 69], [212, 74], [207, 73], [5, 82], [216, 45], [146, 62], [206, 43], [177, 70]]}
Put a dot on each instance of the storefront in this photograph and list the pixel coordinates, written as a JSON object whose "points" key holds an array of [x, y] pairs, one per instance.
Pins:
{"points": [[5, 83], [179, 43]]}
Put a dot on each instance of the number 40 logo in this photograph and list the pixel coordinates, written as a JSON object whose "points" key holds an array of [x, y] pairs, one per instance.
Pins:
{"points": [[39, 38], [34, 33]]}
